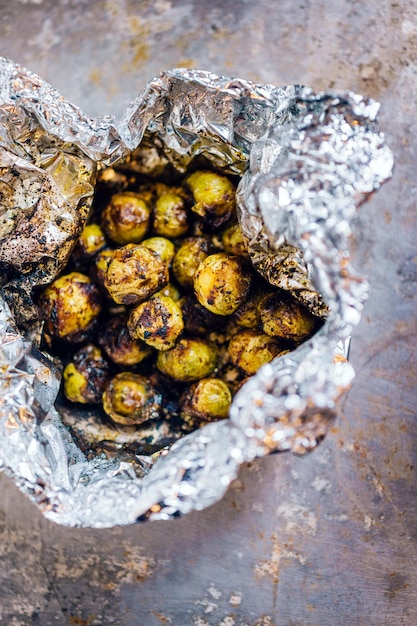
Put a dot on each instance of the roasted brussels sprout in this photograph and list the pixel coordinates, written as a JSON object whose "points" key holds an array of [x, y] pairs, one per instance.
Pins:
{"points": [[250, 349], [115, 339], [197, 319], [100, 264], [282, 316], [214, 197], [221, 283], [188, 257], [188, 361], [111, 180], [157, 321], [248, 315], [70, 307], [90, 242], [162, 246], [207, 400], [130, 399], [126, 218], [170, 216], [171, 291], [86, 376], [232, 241], [134, 273]]}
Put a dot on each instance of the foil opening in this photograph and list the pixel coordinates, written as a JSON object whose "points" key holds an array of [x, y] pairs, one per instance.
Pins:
{"points": [[307, 161]]}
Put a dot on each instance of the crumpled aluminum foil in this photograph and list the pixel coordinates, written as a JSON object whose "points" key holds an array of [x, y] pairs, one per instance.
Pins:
{"points": [[307, 161]]}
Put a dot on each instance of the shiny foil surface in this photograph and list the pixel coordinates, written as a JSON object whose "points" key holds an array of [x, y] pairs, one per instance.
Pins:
{"points": [[307, 160]]}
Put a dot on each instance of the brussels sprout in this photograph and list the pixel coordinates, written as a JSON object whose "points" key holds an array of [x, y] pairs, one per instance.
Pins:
{"points": [[70, 307], [207, 400], [233, 242], [130, 399], [250, 349], [171, 291], [188, 257], [134, 273], [162, 246], [170, 216], [282, 316], [89, 243], [126, 218], [115, 339], [152, 189], [100, 264], [188, 361], [221, 283], [157, 321], [111, 180], [214, 197], [248, 315], [86, 376], [197, 319]]}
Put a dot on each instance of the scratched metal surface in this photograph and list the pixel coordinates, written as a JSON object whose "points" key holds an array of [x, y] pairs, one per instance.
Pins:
{"points": [[327, 540]]}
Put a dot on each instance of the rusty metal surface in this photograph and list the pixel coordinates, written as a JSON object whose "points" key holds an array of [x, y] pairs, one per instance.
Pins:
{"points": [[327, 540]]}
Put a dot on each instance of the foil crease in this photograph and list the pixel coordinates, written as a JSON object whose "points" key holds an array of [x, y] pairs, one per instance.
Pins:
{"points": [[307, 162]]}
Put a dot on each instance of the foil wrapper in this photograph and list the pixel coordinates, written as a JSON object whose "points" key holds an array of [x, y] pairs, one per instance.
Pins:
{"points": [[307, 161]]}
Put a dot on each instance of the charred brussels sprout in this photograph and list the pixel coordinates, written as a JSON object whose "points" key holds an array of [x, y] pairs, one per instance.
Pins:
{"points": [[130, 399], [162, 246], [207, 400], [90, 242], [86, 376], [126, 218], [70, 307], [111, 181], [170, 216], [284, 317], [248, 315], [100, 264], [197, 319], [232, 241], [158, 322], [250, 349], [214, 197], [188, 361], [189, 255], [171, 291], [221, 283], [115, 339], [134, 273]]}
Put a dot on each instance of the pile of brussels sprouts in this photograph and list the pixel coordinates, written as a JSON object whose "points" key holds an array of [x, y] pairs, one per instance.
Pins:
{"points": [[159, 311]]}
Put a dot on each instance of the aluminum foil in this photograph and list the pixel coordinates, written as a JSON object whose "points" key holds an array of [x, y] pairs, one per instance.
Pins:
{"points": [[307, 161]]}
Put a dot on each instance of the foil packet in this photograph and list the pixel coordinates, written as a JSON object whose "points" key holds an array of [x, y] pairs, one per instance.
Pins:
{"points": [[306, 160]]}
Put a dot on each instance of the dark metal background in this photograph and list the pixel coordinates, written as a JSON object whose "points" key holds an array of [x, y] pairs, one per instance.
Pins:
{"points": [[329, 540]]}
